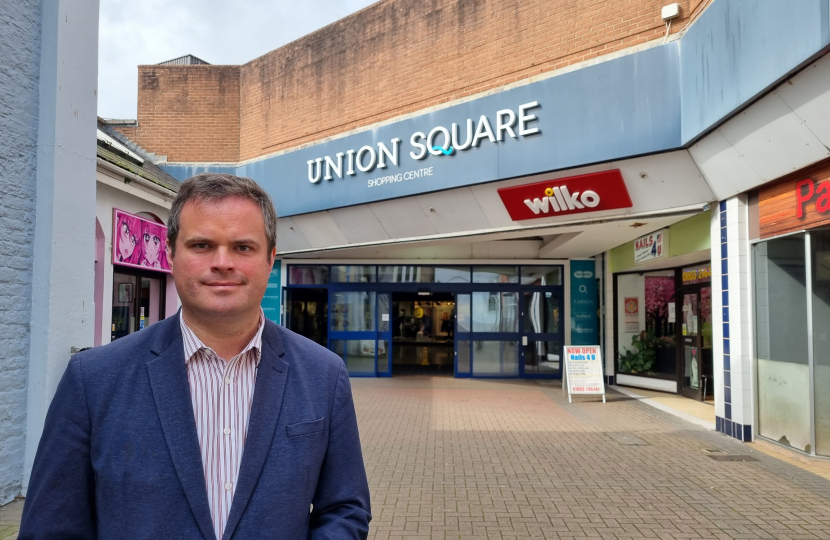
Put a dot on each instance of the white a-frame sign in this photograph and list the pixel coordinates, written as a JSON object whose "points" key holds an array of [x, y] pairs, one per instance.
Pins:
{"points": [[583, 370]]}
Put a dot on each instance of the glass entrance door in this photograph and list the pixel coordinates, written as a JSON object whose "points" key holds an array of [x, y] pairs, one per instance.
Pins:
{"points": [[691, 344], [541, 333]]}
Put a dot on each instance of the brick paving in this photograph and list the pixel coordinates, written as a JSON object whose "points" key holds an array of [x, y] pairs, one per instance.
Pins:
{"points": [[472, 459], [10, 519], [478, 459]]}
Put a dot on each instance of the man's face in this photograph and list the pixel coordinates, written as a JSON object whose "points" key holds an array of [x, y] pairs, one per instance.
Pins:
{"points": [[221, 263]]}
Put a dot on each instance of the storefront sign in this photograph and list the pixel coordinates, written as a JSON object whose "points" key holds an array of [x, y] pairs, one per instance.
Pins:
{"points": [[651, 246], [697, 274], [584, 319], [800, 201], [583, 368], [138, 242], [440, 141], [573, 195]]}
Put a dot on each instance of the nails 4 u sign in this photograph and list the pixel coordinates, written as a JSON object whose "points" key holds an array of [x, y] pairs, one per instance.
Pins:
{"points": [[573, 195]]}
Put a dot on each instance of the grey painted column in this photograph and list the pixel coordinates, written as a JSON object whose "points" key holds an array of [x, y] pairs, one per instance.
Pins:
{"points": [[64, 246]]}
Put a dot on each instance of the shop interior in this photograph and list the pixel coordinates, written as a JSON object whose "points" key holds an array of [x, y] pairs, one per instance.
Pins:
{"points": [[422, 333]]}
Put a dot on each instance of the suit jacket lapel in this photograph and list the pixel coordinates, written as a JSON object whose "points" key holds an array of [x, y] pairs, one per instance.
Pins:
{"points": [[171, 391], [265, 412]]}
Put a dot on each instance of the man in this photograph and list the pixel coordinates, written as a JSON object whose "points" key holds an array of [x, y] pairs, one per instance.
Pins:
{"points": [[214, 423]]}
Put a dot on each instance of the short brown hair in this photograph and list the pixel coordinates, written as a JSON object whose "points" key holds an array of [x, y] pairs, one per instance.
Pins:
{"points": [[207, 187]]}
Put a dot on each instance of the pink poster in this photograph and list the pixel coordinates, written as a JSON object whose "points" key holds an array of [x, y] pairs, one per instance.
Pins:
{"points": [[138, 242]]}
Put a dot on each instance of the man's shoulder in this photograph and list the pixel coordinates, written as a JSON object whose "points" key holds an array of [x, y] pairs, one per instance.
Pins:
{"points": [[128, 351]]}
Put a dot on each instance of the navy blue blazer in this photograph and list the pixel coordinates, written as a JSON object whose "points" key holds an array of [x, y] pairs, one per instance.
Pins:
{"points": [[119, 457]]}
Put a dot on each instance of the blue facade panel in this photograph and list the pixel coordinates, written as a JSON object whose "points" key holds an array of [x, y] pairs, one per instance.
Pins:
{"points": [[738, 49]]}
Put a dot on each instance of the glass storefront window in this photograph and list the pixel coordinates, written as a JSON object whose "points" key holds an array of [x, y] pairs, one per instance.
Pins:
{"points": [[495, 312], [541, 312], [463, 312], [463, 358], [307, 275], [137, 301], [495, 358], [781, 341], [352, 311], [123, 305], [383, 311], [542, 357], [541, 275], [496, 274], [820, 268], [646, 319], [423, 274], [383, 356], [358, 354], [352, 274], [452, 274]]}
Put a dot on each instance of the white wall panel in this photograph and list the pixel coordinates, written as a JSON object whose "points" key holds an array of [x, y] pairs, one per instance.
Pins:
{"points": [[773, 139], [319, 229], [403, 218], [359, 224], [289, 236], [726, 171], [453, 210], [808, 95]]}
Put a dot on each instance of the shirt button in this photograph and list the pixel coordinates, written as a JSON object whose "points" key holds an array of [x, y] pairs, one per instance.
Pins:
{"points": [[227, 431], [228, 485], [227, 380]]}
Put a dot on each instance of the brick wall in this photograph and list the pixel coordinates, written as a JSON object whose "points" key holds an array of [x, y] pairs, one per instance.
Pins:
{"points": [[20, 58], [392, 58], [188, 113]]}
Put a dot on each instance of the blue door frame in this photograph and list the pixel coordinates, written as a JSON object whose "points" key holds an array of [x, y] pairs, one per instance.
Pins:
{"points": [[382, 304]]}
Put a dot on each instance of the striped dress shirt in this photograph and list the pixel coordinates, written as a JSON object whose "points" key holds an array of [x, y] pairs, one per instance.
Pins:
{"points": [[221, 393]]}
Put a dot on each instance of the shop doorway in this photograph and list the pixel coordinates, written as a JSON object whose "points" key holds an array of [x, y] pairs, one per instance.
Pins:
{"points": [[307, 313], [138, 300], [423, 333], [696, 342]]}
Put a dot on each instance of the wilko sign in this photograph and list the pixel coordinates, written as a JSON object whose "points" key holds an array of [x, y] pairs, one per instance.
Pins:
{"points": [[651, 246], [573, 195]]}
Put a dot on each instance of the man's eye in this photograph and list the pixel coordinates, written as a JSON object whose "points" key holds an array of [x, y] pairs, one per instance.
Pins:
{"points": [[200, 245], [244, 248]]}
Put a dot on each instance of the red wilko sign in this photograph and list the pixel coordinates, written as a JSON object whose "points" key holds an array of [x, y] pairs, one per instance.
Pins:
{"points": [[573, 195]]}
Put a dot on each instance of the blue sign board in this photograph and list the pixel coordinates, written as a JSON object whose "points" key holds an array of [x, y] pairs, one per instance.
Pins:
{"points": [[584, 304], [271, 302]]}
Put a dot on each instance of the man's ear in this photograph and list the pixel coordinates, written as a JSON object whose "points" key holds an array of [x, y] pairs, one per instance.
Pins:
{"points": [[170, 256], [273, 257]]}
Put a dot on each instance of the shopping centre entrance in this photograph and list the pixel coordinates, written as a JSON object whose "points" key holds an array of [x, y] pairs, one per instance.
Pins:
{"points": [[459, 320]]}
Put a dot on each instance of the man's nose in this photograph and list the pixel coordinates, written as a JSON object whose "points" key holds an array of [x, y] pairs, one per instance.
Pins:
{"points": [[222, 260]]}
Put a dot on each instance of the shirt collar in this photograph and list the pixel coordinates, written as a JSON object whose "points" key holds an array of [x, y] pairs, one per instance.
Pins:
{"points": [[192, 344]]}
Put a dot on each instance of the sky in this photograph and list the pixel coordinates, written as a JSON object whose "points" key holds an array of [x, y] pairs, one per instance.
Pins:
{"points": [[217, 31]]}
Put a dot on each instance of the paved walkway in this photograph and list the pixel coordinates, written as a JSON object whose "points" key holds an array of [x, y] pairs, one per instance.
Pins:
{"points": [[451, 458], [462, 459]]}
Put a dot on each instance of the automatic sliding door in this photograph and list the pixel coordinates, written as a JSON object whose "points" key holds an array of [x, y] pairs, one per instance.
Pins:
{"points": [[353, 330], [495, 334], [542, 332]]}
